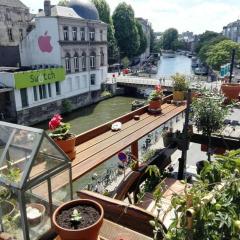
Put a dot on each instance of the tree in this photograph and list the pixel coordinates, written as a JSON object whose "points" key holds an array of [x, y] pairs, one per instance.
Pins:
{"points": [[63, 3], [204, 38], [221, 52], [152, 41], [104, 15], [170, 39], [207, 46], [126, 31], [143, 39]]}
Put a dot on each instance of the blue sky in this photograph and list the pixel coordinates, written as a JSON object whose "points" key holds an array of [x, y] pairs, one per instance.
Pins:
{"points": [[192, 15]]}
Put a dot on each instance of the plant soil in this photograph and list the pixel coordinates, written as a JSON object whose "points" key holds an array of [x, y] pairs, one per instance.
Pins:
{"points": [[89, 215]]}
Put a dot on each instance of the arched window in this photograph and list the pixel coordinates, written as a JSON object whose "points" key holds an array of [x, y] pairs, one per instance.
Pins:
{"points": [[84, 61], [102, 58], [68, 62], [76, 62], [93, 60]]}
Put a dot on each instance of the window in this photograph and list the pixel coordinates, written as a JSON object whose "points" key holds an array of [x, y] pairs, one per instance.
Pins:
{"points": [[92, 34], [42, 92], [102, 58], [58, 89], [24, 97], [10, 35], [84, 61], [93, 79], [49, 90], [76, 62], [35, 94], [82, 34], [68, 63], [93, 60], [101, 35], [20, 34], [74, 33], [65, 33]]}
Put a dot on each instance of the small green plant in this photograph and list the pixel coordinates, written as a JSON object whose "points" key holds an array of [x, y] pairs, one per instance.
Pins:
{"points": [[106, 94], [67, 106], [156, 94], [125, 62], [179, 82], [76, 216]]}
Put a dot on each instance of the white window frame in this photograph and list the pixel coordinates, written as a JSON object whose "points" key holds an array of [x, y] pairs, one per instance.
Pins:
{"points": [[65, 33], [82, 34], [76, 63], [92, 35], [84, 62], [74, 33], [68, 64], [92, 61], [94, 80]]}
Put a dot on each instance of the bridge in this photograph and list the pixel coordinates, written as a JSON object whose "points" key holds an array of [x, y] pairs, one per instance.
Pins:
{"points": [[165, 81]]}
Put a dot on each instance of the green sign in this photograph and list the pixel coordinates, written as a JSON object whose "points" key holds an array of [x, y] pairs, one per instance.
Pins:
{"points": [[38, 77]]}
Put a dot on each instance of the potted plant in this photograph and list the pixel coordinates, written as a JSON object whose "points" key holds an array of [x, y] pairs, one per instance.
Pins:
{"points": [[167, 136], [208, 114], [231, 90], [155, 99], [59, 132], [79, 219], [180, 85]]}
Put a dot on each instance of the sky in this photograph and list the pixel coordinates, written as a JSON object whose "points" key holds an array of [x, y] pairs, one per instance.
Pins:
{"points": [[192, 15]]}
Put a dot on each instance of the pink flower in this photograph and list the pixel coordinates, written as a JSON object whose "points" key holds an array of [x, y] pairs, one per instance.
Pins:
{"points": [[158, 88], [55, 122]]}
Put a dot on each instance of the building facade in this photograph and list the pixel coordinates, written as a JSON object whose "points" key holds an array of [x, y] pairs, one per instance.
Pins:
{"points": [[15, 23], [61, 39], [146, 27], [232, 31]]}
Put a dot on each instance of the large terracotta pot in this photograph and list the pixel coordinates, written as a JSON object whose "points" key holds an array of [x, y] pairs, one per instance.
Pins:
{"points": [[68, 146], [88, 233], [178, 95], [231, 90], [155, 105]]}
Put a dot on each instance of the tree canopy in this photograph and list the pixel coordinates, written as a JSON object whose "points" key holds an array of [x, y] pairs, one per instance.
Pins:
{"points": [[105, 16], [204, 38], [221, 52], [63, 3], [170, 39], [126, 31]]}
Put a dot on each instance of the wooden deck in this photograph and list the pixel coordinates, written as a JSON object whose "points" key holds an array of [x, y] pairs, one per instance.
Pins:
{"points": [[100, 144]]}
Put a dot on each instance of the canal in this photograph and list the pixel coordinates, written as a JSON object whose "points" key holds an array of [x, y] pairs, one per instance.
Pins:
{"points": [[170, 66]]}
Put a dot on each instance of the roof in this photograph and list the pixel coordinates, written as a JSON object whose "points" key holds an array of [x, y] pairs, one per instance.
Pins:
{"points": [[85, 9], [13, 3], [60, 11]]}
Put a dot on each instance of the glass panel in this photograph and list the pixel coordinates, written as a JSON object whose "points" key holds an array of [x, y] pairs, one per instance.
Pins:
{"points": [[5, 133], [61, 188], [48, 158], [10, 214], [38, 211], [24, 97], [18, 154]]}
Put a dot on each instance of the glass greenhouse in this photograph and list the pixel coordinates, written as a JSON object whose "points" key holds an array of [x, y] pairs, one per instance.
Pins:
{"points": [[30, 163]]}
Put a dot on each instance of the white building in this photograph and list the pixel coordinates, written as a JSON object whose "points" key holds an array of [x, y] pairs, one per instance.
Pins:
{"points": [[61, 37], [146, 27], [232, 31]]}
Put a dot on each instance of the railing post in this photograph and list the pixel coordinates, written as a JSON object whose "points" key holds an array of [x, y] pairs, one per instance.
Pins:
{"points": [[134, 151]]}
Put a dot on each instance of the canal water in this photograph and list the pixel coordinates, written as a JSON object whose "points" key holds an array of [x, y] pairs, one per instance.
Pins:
{"points": [[170, 66]]}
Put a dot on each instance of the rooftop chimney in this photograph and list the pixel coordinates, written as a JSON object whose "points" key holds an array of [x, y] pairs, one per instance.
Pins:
{"points": [[40, 10], [47, 8]]}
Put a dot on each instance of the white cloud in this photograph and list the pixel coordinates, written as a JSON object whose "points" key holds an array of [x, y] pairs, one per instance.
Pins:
{"points": [[192, 15]]}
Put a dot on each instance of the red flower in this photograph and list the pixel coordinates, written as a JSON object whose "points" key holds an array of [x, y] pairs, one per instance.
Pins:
{"points": [[55, 122], [158, 88]]}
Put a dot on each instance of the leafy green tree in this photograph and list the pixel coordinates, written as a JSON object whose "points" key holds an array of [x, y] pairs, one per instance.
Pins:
{"points": [[143, 39], [170, 39], [63, 3], [105, 16], [204, 38], [221, 52], [126, 31], [153, 41], [125, 62], [207, 46]]}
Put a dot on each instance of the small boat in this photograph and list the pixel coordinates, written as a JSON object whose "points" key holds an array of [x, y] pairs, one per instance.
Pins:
{"points": [[137, 104]]}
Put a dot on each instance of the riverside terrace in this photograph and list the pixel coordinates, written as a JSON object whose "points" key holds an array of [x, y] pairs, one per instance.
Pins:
{"points": [[123, 213]]}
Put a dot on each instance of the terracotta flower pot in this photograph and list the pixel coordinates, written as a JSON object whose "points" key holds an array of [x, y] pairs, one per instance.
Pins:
{"points": [[231, 90], [68, 146], [178, 95], [87, 233], [155, 105]]}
